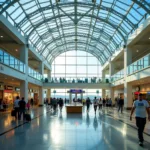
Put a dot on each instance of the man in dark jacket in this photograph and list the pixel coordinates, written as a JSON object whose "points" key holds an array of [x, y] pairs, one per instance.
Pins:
{"points": [[22, 107], [120, 104], [88, 102]]}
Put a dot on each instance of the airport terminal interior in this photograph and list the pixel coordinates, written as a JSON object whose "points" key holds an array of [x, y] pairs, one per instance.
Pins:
{"points": [[66, 58]]}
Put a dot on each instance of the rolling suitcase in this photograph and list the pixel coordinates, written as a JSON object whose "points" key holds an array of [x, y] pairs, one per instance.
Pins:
{"points": [[13, 113], [28, 117]]}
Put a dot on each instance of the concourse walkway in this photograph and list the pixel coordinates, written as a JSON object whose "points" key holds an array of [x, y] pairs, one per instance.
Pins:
{"points": [[59, 131]]}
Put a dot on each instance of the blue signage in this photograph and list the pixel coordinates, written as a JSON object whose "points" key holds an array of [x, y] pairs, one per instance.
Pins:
{"points": [[76, 91]]}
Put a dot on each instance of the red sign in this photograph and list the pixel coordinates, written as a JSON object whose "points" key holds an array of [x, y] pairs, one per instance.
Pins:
{"points": [[7, 91], [136, 93]]}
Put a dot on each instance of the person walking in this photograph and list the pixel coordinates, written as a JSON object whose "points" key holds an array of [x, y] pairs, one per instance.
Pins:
{"points": [[88, 102], [95, 103], [140, 107], [28, 105], [16, 107], [100, 103], [60, 104], [104, 102], [32, 102], [120, 104], [22, 108]]}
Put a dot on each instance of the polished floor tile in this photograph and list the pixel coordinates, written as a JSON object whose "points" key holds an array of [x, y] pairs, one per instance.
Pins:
{"points": [[61, 131]]}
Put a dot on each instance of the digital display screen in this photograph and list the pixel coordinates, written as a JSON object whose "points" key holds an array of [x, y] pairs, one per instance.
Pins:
{"points": [[76, 91]]}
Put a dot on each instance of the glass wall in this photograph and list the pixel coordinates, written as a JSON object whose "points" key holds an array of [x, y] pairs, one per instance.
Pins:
{"points": [[118, 75], [62, 93], [34, 74], [77, 65], [11, 61], [139, 64]]}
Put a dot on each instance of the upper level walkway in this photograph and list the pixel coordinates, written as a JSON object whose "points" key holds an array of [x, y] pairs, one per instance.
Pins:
{"points": [[88, 83]]}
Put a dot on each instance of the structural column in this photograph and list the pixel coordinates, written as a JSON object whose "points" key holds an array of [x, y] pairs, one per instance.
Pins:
{"points": [[127, 86], [24, 90], [127, 59], [41, 68], [128, 95], [48, 94], [111, 68], [41, 96], [49, 75], [112, 95], [103, 93], [70, 98], [81, 97], [103, 75], [24, 84]]}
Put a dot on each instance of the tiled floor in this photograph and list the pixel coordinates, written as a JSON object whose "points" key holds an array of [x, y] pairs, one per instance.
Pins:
{"points": [[60, 131]]}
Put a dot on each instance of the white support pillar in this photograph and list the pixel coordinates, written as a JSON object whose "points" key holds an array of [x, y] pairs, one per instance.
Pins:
{"points": [[24, 84], [103, 75], [70, 98], [127, 59], [112, 95], [81, 97], [49, 75], [103, 93], [111, 68], [127, 86], [41, 96], [41, 68], [24, 90], [128, 95], [48, 93], [24, 57]]}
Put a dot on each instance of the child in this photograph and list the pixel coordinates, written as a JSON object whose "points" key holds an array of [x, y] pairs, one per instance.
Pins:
{"points": [[28, 105]]}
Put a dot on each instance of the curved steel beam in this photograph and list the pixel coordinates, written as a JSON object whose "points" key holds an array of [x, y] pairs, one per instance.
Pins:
{"points": [[70, 42], [113, 11], [91, 4], [79, 35], [46, 34], [91, 16]]}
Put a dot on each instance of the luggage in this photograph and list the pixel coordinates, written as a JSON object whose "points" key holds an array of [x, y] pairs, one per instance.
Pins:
{"points": [[13, 113], [28, 117]]}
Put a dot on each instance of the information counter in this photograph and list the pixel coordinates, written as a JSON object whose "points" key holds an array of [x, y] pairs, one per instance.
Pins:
{"points": [[74, 108]]}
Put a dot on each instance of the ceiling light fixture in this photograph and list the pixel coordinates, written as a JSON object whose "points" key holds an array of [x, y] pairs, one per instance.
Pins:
{"points": [[1, 36], [16, 50], [137, 50], [149, 38]]}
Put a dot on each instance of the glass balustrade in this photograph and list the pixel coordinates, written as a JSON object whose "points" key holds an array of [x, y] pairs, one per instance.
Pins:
{"points": [[118, 75], [34, 74], [11, 61], [77, 80], [142, 63]]}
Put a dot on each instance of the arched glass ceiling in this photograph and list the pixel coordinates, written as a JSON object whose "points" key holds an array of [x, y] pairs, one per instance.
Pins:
{"points": [[95, 26]]}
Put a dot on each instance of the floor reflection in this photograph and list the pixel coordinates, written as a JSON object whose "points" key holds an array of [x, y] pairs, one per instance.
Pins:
{"points": [[56, 130]]}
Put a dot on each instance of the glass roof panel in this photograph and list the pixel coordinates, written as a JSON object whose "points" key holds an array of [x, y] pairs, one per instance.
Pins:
{"points": [[84, 24]]}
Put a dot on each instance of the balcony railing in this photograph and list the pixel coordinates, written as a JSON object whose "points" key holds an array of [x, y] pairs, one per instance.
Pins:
{"points": [[139, 64], [119, 75], [77, 80], [11, 61], [34, 74]]}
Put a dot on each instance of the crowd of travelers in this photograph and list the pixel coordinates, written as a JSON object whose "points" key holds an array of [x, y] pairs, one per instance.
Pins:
{"points": [[78, 80], [20, 107], [54, 103]]}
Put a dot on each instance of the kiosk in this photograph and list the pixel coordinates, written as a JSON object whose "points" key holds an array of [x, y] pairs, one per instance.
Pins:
{"points": [[74, 107]]}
